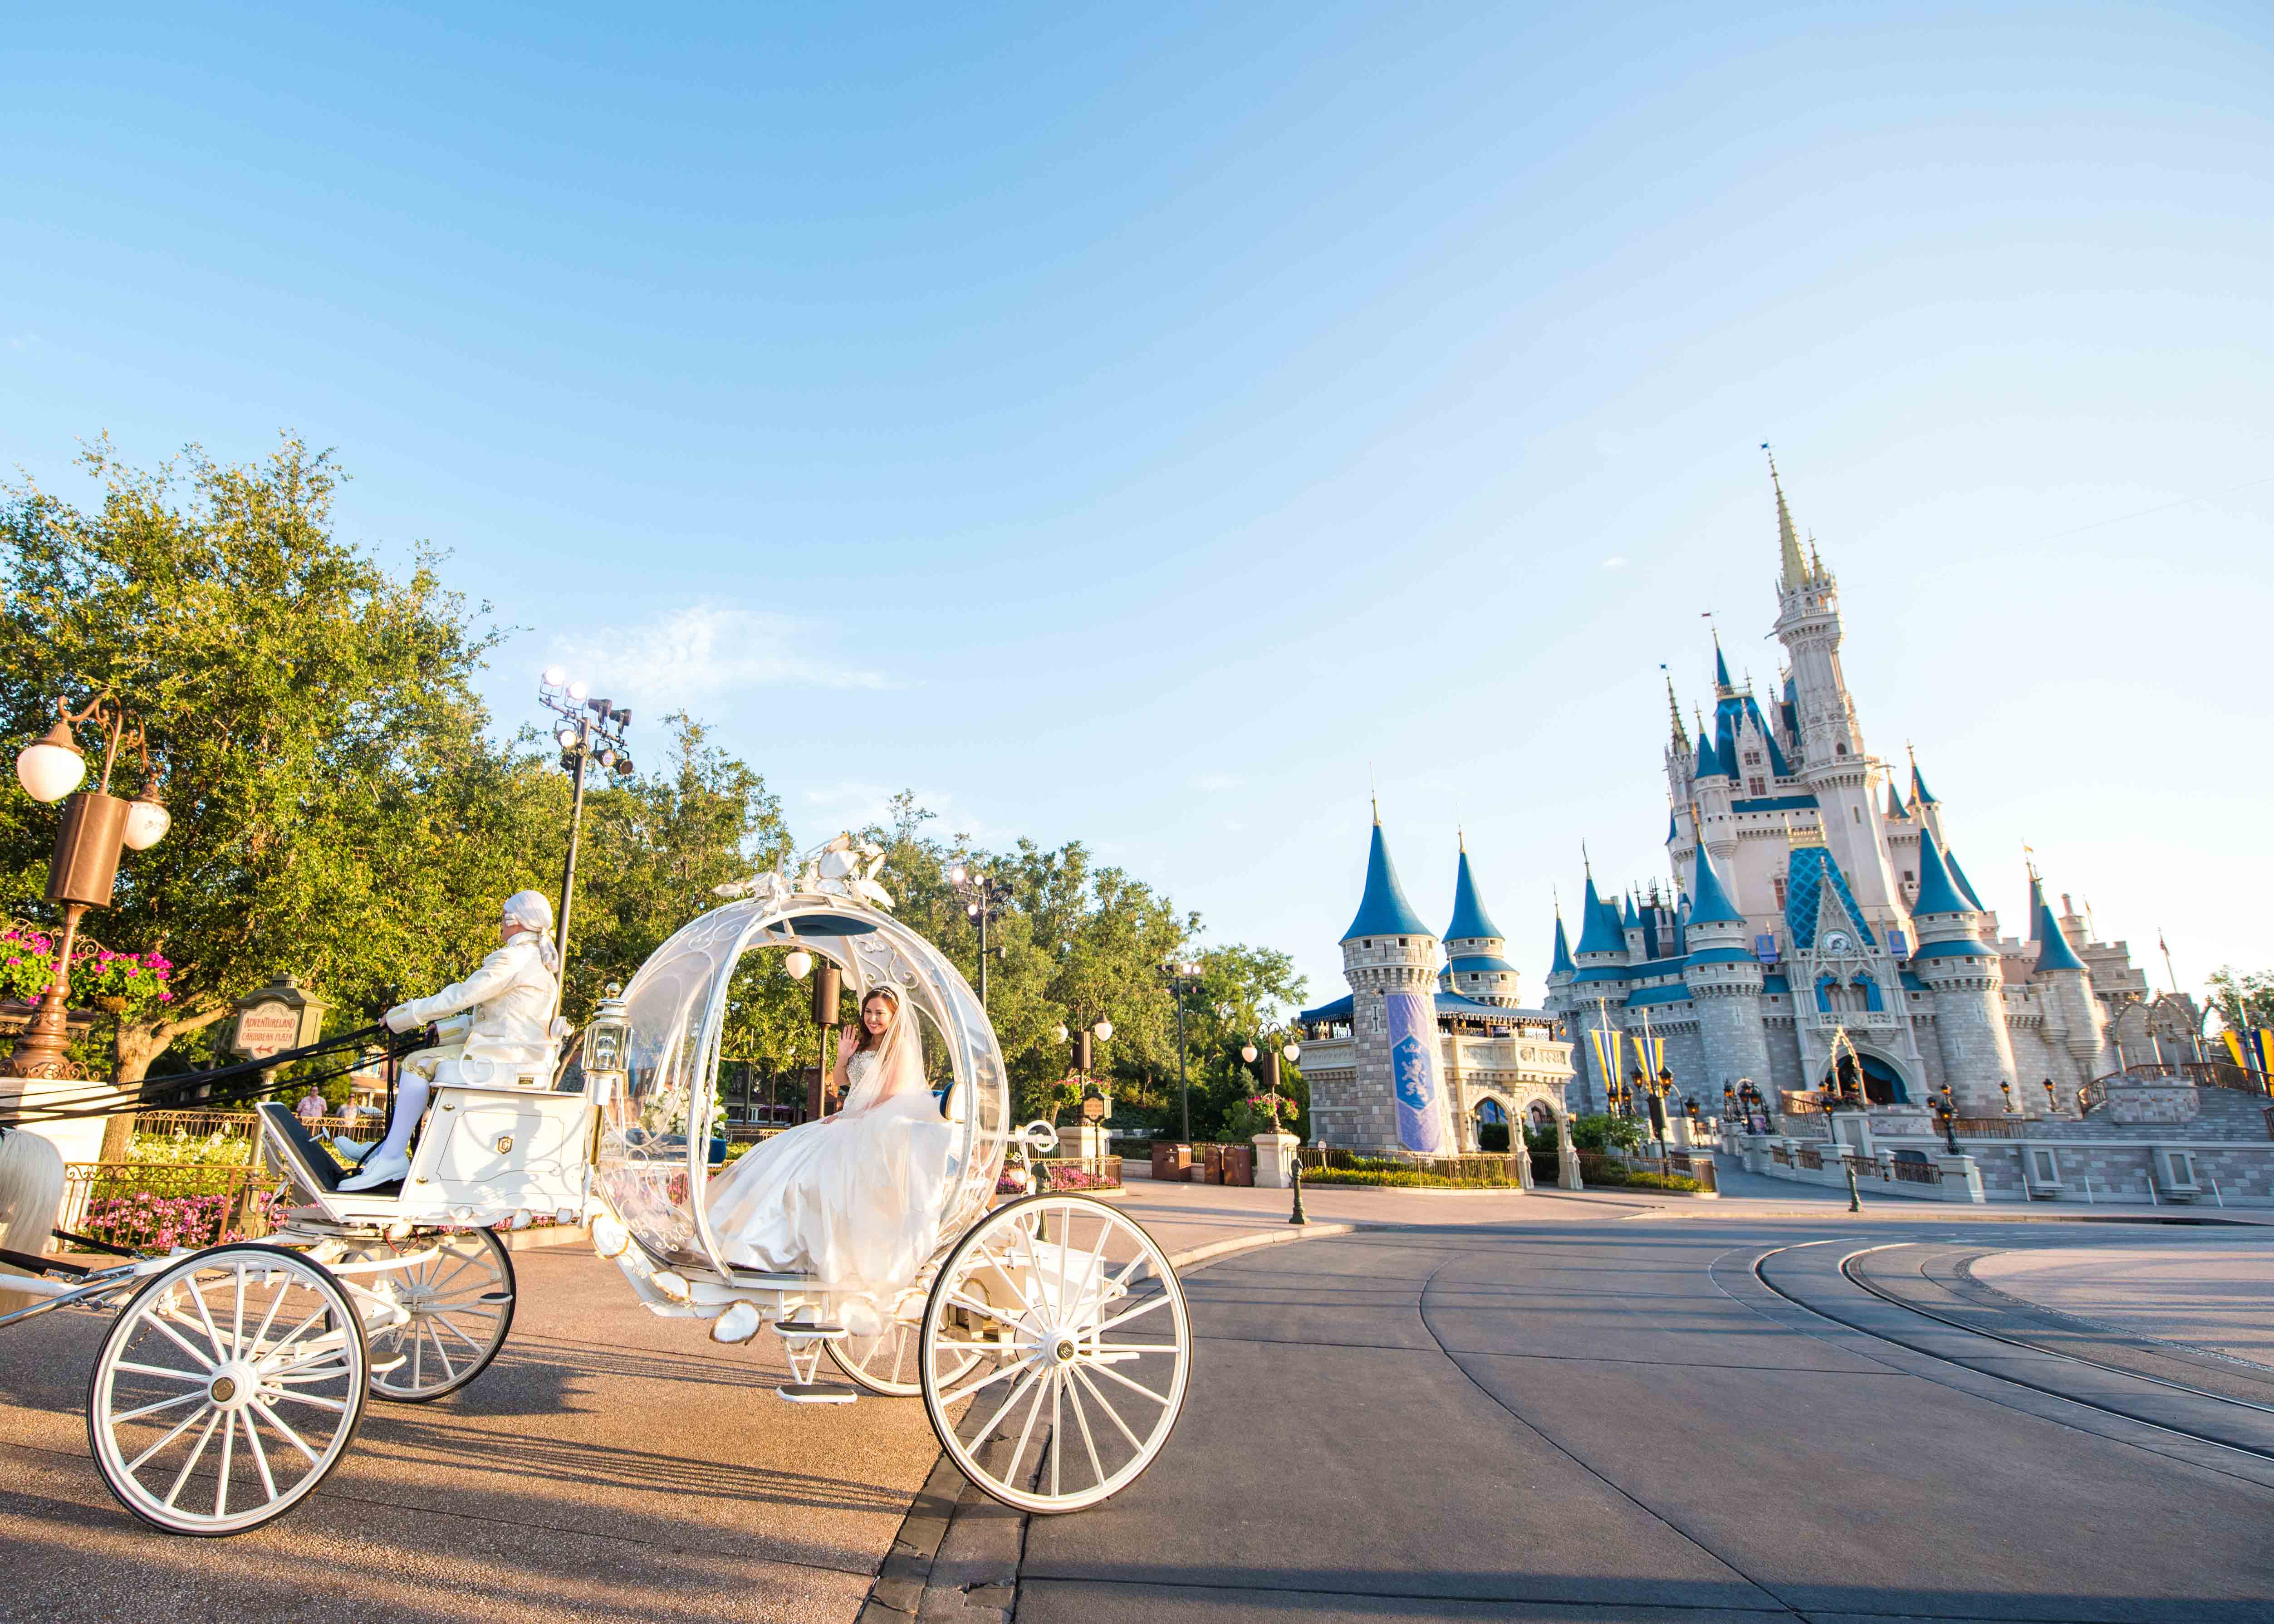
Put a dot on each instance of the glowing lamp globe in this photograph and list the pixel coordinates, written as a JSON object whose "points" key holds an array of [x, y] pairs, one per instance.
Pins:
{"points": [[958, 875], [1248, 1053], [1104, 1030], [554, 676], [52, 768], [147, 822], [798, 963], [1292, 1052]]}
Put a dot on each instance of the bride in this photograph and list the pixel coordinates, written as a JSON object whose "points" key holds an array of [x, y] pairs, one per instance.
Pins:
{"points": [[854, 1198]]}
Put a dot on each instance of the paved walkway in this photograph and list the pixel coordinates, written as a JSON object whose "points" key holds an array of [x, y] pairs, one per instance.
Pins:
{"points": [[2215, 1295], [1597, 1420], [1473, 1400]]}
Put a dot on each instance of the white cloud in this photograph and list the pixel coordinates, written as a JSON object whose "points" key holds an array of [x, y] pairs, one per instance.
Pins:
{"points": [[699, 652], [1217, 783], [1615, 563]]}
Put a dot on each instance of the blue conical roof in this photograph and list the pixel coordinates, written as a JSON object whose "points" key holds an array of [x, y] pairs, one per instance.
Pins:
{"points": [[2038, 912], [1631, 918], [1383, 911], [1709, 765], [1937, 893], [2056, 953], [1721, 669], [1710, 905], [1965, 885], [1469, 916], [1600, 932], [1562, 959], [1920, 795]]}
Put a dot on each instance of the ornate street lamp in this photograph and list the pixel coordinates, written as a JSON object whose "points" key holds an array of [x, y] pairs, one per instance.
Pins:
{"points": [[95, 829], [985, 899], [1183, 980], [1946, 1108], [591, 734]]}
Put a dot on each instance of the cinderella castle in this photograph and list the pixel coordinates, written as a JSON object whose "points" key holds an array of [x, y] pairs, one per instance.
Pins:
{"points": [[1818, 922]]}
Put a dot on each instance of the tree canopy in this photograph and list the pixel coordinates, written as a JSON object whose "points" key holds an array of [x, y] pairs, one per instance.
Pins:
{"points": [[344, 813]]}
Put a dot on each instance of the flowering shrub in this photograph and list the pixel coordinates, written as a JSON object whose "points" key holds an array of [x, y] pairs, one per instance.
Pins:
{"points": [[27, 958], [150, 1222], [1056, 1178]]}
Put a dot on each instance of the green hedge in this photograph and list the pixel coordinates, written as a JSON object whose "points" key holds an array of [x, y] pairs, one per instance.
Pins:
{"points": [[1401, 1178]]}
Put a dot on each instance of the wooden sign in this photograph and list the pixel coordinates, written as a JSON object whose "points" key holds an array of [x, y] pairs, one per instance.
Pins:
{"points": [[1094, 1108], [265, 1029]]}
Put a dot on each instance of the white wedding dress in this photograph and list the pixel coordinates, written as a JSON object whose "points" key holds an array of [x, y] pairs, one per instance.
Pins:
{"points": [[855, 1199]]}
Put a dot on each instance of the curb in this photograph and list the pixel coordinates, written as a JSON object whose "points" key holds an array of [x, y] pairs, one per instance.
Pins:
{"points": [[1193, 1256]]}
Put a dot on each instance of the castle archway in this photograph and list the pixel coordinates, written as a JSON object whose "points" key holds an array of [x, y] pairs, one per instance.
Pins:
{"points": [[1877, 1077]]}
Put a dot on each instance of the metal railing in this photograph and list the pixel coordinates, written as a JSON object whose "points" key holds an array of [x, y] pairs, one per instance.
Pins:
{"points": [[157, 1206], [1071, 1173], [1916, 1172], [2201, 1073], [1989, 1127]]}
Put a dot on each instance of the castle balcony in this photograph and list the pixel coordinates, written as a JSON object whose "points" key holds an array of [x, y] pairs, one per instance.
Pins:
{"points": [[1855, 1020]]}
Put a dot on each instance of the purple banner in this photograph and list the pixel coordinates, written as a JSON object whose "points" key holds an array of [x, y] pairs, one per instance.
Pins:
{"points": [[1423, 1125]]}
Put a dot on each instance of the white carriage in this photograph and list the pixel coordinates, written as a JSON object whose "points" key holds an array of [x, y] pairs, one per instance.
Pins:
{"points": [[1050, 1303], [234, 1379]]}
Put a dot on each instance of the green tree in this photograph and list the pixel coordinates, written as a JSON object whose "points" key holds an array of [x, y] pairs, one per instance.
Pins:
{"points": [[337, 812], [2244, 1002]]}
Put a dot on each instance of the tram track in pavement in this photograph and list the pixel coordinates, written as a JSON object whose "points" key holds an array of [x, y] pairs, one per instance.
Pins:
{"points": [[2232, 1426]]}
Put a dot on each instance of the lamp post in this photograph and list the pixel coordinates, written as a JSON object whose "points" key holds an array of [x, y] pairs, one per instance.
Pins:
{"points": [[1183, 980], [96, 827], [591, 732], [1947, 1107], [984, 898]]}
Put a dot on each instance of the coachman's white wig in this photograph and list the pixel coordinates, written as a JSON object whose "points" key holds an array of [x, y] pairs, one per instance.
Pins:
{"points": [[534, 910]]}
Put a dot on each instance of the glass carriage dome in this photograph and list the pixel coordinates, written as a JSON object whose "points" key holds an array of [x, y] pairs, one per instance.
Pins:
{"points": [[655, 1133]]}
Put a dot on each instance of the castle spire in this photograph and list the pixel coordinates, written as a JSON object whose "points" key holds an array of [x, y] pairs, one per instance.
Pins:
{"points": [[1674, 708], [1796, 572], [1469, 919], [1722, 688], [1920, 795], [1710, 905], [1382, 911]]}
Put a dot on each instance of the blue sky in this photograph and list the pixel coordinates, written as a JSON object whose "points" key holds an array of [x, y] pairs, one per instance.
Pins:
{"points": [[1139, 425]]}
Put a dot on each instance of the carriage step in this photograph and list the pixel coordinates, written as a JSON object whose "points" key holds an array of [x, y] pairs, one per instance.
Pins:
{"points": [[815, 1393], [792, 1332]]}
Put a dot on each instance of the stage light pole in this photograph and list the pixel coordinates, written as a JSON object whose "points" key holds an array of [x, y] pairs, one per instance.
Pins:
{"points": [[1183, 980], [984, 898], [591, 734]]}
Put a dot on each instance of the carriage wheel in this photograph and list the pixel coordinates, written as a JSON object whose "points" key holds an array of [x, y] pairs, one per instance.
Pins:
{"points": [[1062, 1323], [461, 1306], [227, 1388]]}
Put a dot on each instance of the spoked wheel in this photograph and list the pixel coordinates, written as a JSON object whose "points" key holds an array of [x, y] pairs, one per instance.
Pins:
{"points": [[1062, 1323], [460, 1302], [227, 1390]]}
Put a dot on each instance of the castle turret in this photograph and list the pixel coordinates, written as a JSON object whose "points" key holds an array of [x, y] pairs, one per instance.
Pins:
{"points": [[1724, 983], [1963, 972], [1925, 806], [1398, 1100], [2074, 1017], [1476, 953]]}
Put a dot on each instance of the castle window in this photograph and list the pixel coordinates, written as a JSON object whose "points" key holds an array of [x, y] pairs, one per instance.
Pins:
{"points": [[1839, 749], [1778, 881], [1907, 876], [1858, 811], [1752, 759], [1757, 786]]}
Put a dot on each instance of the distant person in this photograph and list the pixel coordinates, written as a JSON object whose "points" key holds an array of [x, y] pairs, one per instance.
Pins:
{"points": [[310, 1108]]}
